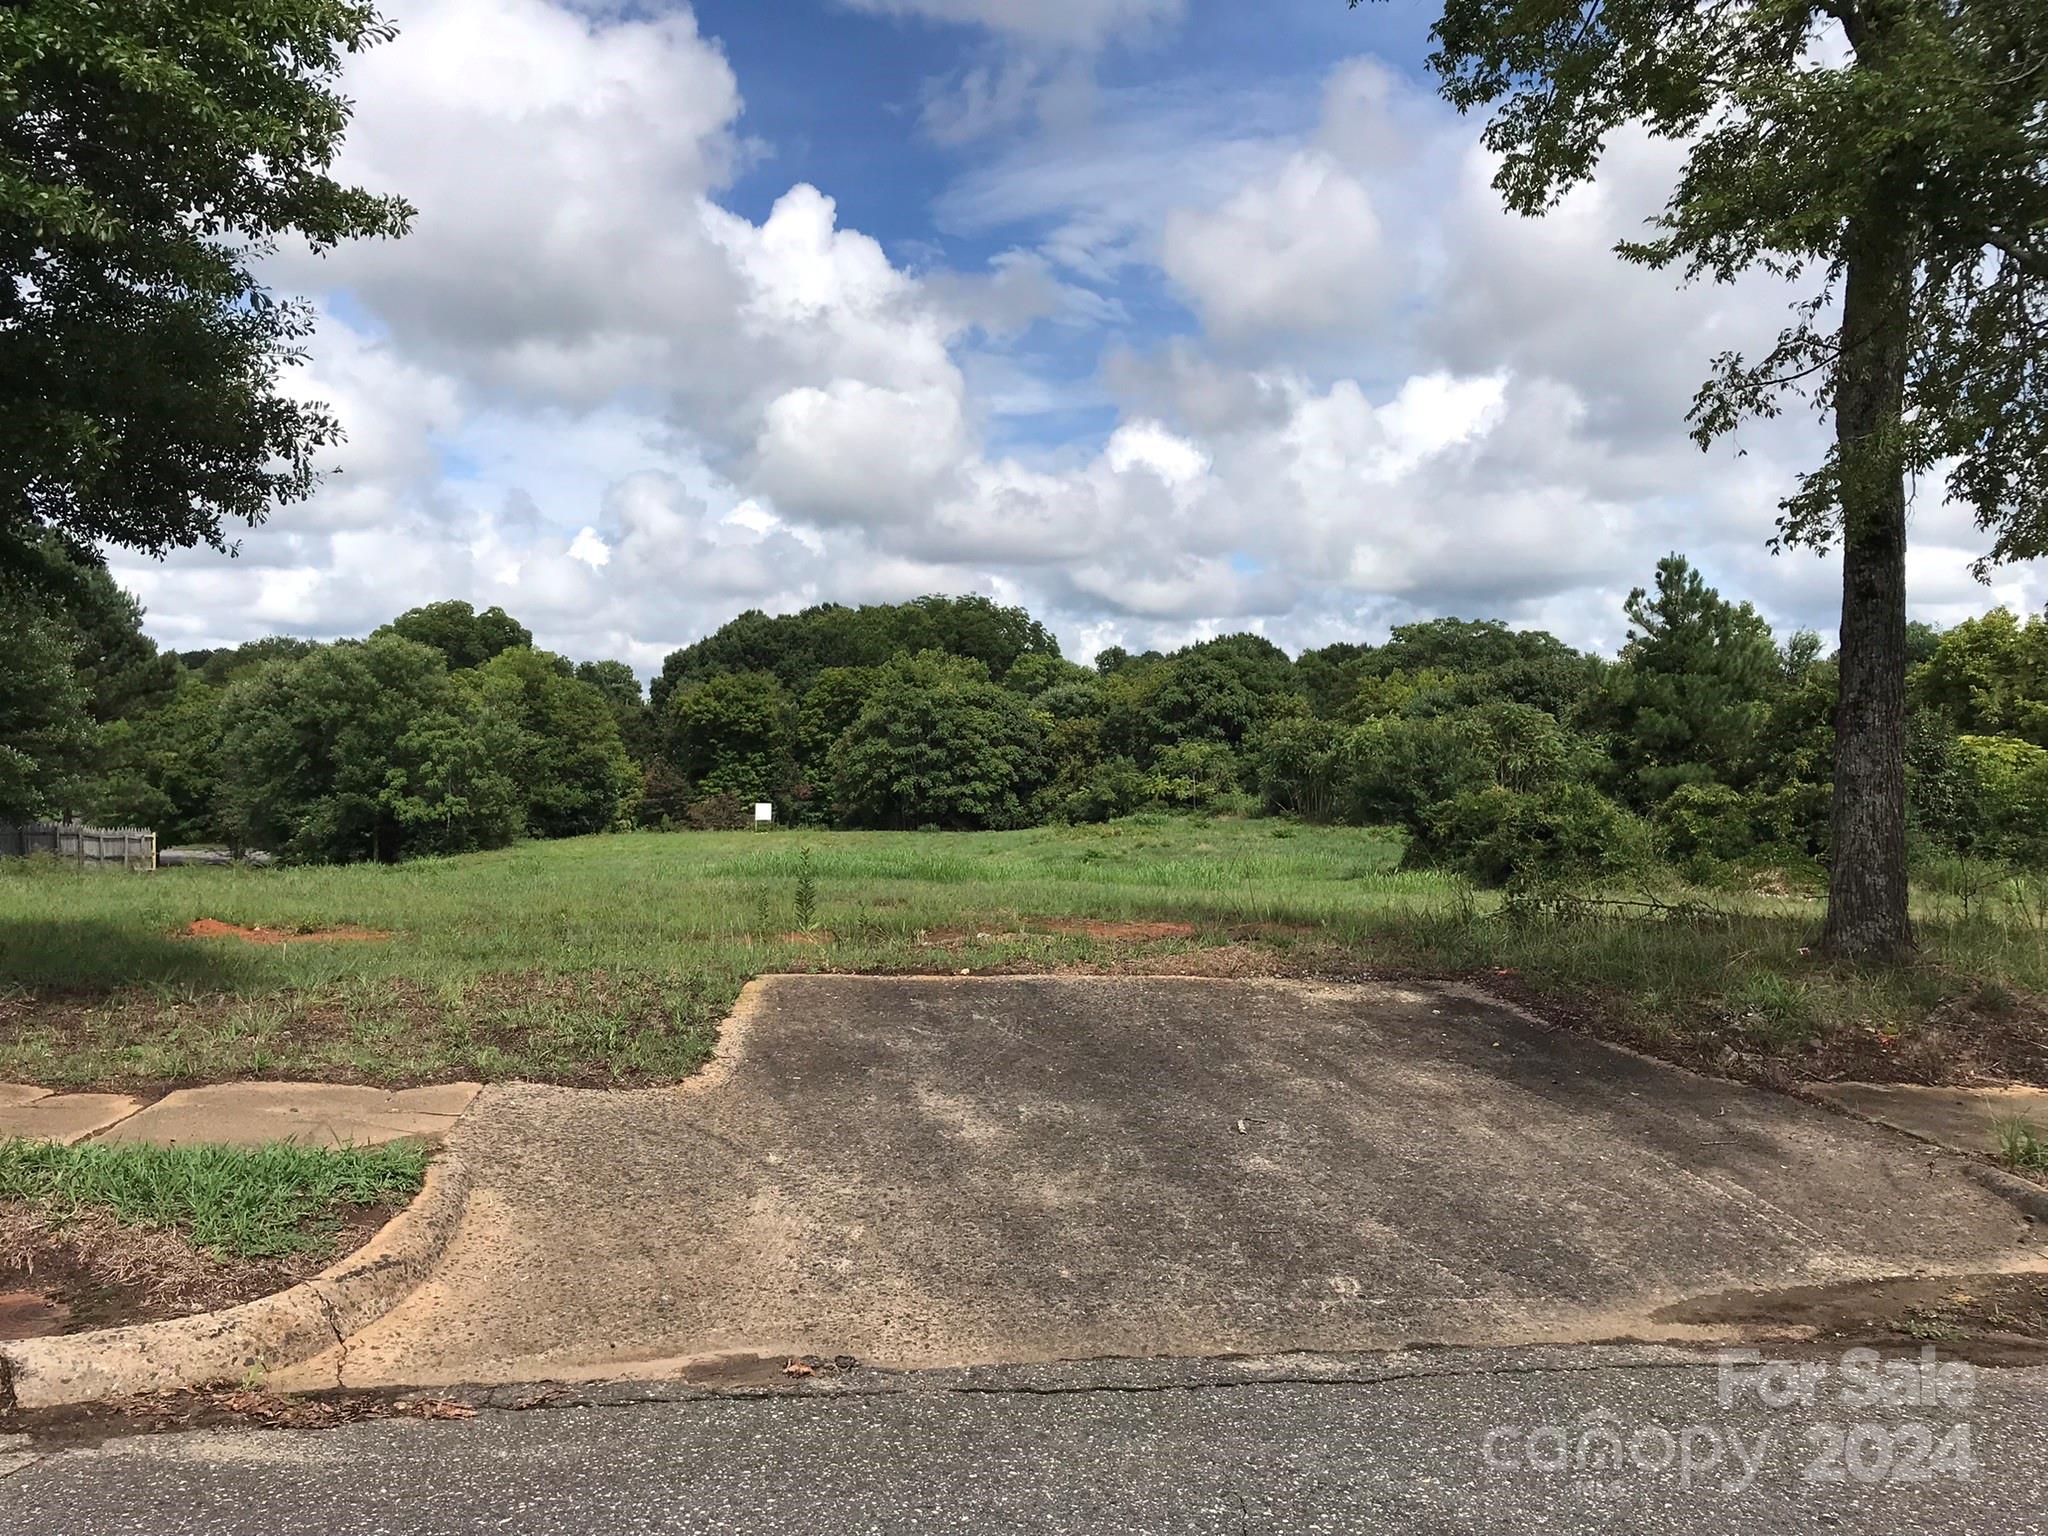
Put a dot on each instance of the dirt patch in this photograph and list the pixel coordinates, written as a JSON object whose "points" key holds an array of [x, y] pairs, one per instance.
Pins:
{"points": [[213, 928], [1095, 929], [91, 1272], [1995, 1319]]}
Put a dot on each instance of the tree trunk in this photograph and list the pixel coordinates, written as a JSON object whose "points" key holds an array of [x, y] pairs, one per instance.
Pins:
{"points": [[1867, 917]]}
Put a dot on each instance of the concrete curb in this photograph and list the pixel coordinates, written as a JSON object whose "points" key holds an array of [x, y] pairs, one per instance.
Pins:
{"points": [[258, 1336], [2030, 1198]]}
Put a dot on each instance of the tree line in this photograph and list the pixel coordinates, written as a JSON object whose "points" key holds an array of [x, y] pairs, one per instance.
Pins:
{"points": [[1506, 754]]}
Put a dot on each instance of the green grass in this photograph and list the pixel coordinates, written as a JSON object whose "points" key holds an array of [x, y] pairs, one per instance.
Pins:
{"points": [[611, 959], [2021, 1144], [260, 1203]]}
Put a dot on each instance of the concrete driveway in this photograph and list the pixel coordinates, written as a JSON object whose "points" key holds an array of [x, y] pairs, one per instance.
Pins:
{"points": [[929, 1171]]}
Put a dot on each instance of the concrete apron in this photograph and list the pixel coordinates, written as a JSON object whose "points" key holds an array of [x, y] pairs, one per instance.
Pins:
{"points": [[934, 1171]]}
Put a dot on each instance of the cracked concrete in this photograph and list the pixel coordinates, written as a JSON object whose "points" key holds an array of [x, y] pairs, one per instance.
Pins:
{"points": [[308, 1114], [37, 1114], [238, 1114], [930, 1171]]}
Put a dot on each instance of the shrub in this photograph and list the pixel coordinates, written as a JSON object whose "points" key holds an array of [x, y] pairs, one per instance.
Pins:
{"points": [[1111, 789], [1293, 762], [1564, 836], [719, 813], [1194, 776], [1393, 770], [664, 796], [1706, 828], [1400, 770]]}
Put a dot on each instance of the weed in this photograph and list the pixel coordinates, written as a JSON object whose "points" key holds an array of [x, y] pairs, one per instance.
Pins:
{"points": [[2020, 1143], [1769, 1005], [1928, 1324], [806, 893]]}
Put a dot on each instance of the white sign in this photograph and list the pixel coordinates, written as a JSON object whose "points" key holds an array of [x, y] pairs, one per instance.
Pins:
{"points": [[764, 810]]}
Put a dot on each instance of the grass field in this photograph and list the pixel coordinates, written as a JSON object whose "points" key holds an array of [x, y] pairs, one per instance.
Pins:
{"points": [[611, 959]]}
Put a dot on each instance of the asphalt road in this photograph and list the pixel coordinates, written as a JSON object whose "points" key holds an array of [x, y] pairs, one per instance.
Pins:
{"points": [[1416, 1443]]}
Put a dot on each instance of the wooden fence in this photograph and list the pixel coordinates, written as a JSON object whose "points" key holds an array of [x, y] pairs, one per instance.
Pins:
{"points": [[130, 847]]}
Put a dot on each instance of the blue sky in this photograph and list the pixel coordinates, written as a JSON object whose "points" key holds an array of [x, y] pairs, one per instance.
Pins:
{"points": [[1166, 318]]}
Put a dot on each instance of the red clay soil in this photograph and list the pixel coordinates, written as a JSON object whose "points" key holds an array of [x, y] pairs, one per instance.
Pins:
{"points": [[213, 928]]}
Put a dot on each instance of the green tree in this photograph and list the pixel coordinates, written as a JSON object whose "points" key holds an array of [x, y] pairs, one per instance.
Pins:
{"points": [[464, 637], [160, 768], [365, 750], [224, 666], [1989, 677], [2007, 798], [573, 773], [731, 736], [620, 687], [1294, 761], [832, 703], [938, 744], [1693, 688], [119, 665], [795, 647], [46, 737], [151, 152], [1893, 154]]}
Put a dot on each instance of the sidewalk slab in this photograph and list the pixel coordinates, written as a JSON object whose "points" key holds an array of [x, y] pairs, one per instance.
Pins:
{"points": [[1965, 1119], [40, 1115], [311, 1114]]}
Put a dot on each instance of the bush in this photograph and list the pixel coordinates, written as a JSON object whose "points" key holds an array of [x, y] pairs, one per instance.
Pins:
{"points": [[2006, 798], [1399, 770], [1564, 836], [1394, 770], [1293, 762], [1195, 776], [1706, 829], [1111, 789], [719, 813]]}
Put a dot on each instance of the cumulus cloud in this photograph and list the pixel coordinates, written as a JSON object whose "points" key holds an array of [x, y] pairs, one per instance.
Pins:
{"points": [[588, 389], [1302, 253]]}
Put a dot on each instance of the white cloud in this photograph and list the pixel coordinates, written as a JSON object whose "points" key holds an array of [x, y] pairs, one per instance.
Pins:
{"points": [[855, 453], [1304, 252], [589, 391]]}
